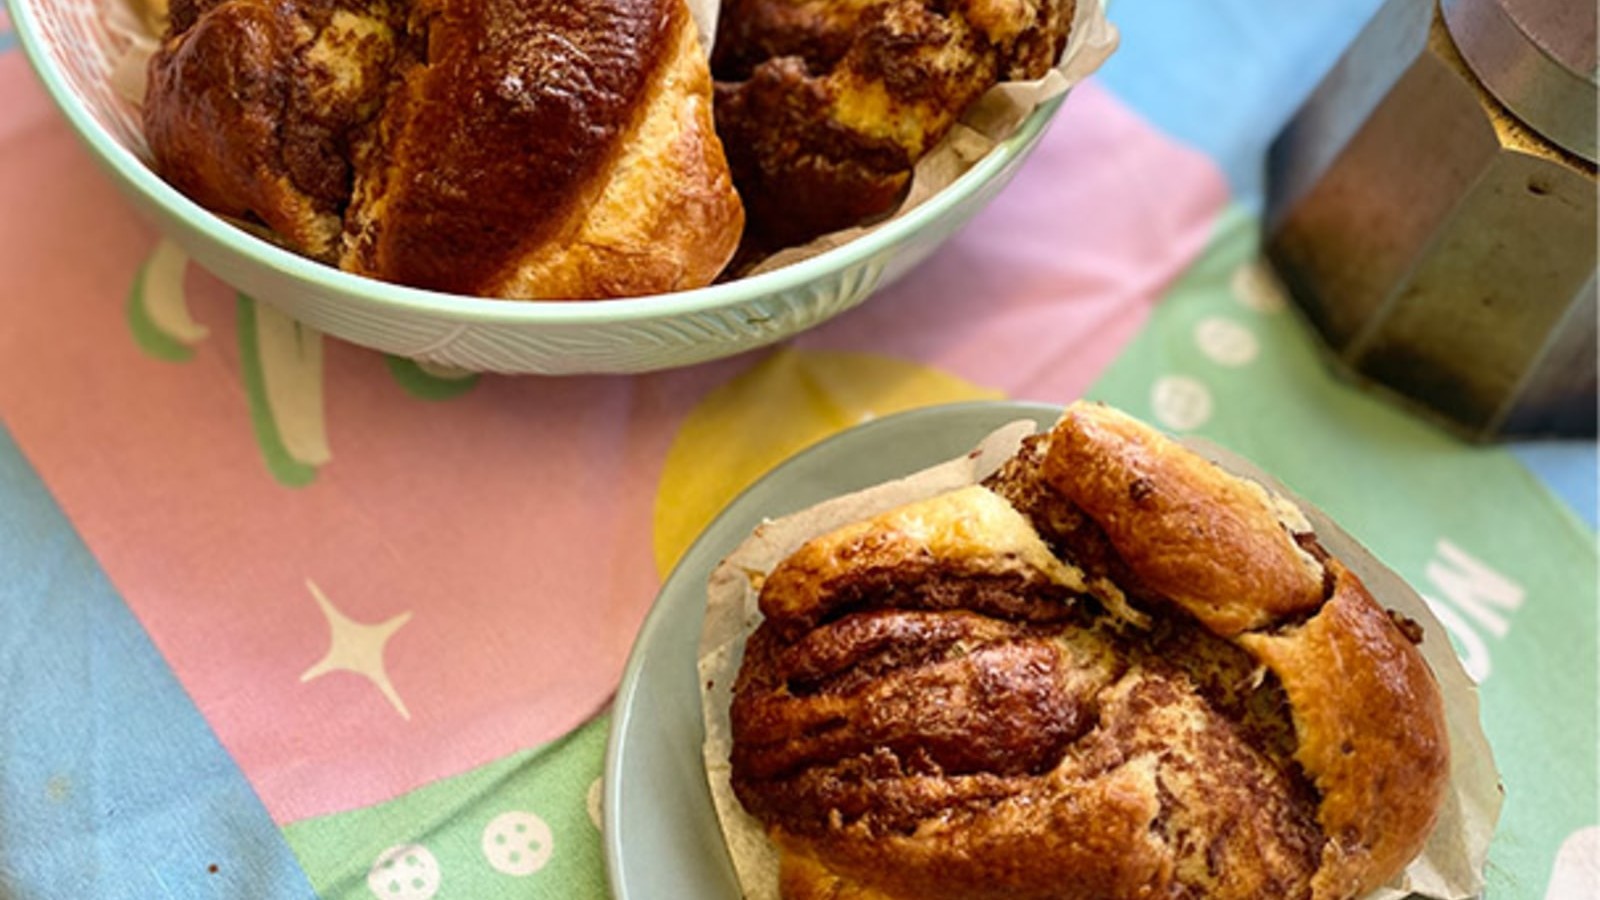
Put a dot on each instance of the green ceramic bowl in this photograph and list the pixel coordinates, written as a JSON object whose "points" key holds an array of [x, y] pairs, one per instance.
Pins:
{"points": [[74, 49]]}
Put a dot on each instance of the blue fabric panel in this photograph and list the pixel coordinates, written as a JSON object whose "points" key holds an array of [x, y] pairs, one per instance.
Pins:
{"points": [[1224, 77], [113, 784], [1569, 468]]}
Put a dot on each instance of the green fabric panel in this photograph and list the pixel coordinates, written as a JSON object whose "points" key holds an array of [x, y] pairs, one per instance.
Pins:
{"points": [[451, 820]]}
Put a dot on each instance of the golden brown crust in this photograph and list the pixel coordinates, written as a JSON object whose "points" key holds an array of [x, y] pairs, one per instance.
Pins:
{"points": [[1367, 711], [902, 736], [1096, 843], [550, 93], [588, 168], [1371, 728], [512, 148], [971, 533], [801, 876], [1207, 540], [669, 218]]}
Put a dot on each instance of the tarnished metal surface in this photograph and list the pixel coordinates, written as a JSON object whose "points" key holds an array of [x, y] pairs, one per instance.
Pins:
{"points": [[1444, 249], [1537, 57]]}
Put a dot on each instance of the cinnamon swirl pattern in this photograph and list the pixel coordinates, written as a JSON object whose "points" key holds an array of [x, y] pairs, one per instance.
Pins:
{"points": [[824, 107], [1113, 670]]}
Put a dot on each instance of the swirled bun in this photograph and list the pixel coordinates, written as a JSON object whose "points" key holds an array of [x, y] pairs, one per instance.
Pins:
{"points": [[503, 148], [826, 106], [1111, 671]]}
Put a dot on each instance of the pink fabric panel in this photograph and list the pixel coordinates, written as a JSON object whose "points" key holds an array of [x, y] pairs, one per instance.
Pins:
{"points": [[512, 523], [1046, 284]]}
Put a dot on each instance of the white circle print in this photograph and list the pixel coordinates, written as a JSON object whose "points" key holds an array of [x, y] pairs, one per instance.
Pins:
{"points": [[406, 872], [517, 843], [1226, 342], [1256, 287], [1180, 402], [1577, 868]]}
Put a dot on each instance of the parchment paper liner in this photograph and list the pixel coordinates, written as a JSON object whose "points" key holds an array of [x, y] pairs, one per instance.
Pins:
{"points": [[1451, 865]]}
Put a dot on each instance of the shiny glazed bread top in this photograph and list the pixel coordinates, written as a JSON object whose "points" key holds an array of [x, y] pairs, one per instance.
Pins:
{"points": [[532, 149]]}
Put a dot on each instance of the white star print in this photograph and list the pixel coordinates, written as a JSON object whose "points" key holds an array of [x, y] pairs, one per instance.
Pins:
{"points": [[357, 647]]}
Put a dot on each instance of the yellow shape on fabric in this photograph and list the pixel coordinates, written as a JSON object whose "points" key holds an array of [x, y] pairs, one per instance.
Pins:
{"points": [[788, 402]]}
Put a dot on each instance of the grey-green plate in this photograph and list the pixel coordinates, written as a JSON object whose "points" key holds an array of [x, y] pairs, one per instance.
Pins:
{"points": [[660, 830]]}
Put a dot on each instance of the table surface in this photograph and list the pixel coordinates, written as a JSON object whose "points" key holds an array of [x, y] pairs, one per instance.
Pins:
{"points": [[282, 617]]}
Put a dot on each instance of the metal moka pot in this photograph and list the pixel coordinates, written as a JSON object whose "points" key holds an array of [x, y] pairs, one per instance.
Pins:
{"points": [[1432, 209]]}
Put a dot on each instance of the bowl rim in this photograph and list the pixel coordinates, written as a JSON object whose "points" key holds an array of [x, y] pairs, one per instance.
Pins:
{"points": [[402, 299]]}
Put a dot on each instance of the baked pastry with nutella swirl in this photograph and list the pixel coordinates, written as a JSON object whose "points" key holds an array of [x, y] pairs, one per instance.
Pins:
{"points": [[524, 149], [1111, 671], [825, 106]]}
